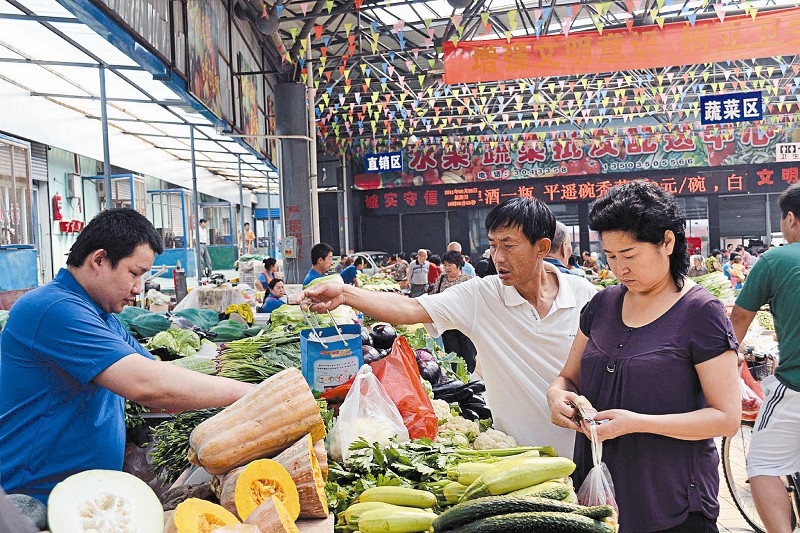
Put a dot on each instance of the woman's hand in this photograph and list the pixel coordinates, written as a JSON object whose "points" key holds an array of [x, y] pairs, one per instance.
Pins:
{"points": [[617, 422], [562, 412]]}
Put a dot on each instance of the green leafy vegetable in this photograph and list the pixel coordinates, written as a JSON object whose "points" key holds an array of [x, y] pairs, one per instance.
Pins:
{"points": [[171, 441]]}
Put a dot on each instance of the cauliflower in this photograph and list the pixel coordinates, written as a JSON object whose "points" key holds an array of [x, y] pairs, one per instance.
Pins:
{"points": [[459, 424], [492, 439], [442, 410], [453, 439]]}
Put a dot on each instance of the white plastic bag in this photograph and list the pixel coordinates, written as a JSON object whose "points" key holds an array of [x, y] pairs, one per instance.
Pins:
{"points": [[367, 412], [597, 488]]}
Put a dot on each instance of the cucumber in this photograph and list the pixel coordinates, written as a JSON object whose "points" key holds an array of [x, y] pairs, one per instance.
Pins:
{"points": [[467, 473], [518, 473], [453, 491], [398, 520], [353, 513], [549, 489], [399, 496], [540, 522], [472, 510]]}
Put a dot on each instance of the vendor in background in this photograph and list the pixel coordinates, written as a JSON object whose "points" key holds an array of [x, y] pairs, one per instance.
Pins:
{"points": [[698, 268], [656, 356], [522, 321], [321, 261], [397, 268], [275, 299], [573, 263], [590, 263], [268, 274], [454, 340], [67, 364], [350, 273], [246, 241]]}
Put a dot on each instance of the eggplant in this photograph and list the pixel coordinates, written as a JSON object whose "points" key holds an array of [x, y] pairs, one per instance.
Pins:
{"points": [[383, 353], [370, 354], [479, 408], [424, 356], [430, 371], [453, 391], [477, 386], [448, 386], [383, 336], [366, 339]]}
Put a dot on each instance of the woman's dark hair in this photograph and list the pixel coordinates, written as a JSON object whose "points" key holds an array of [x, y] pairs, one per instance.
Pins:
{"points": [[435, 259], [715, 253], [274, 282], [647, 211], [269, 262], [118, 232], [454, 258], [531, 215], [790, 201]]}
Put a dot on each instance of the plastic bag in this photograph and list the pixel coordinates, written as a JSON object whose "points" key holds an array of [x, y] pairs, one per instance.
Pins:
{"points": [[367, 412], [399, 374], [597, 488], [752, 395]]}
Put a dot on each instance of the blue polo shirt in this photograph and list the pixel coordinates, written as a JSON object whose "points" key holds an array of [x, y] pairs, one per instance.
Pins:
{"points": [[54, 420], [311, 276], [349, 274], [271, 303]]}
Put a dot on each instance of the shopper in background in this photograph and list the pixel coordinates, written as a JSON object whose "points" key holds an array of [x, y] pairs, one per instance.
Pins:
{"points": [[522, 321], [350, 273], [712, 262], [321, 261], [435, 270], [269, 273], [590, 263], [698, 268], [656, 356], [747, 257], [417, 273], [775, 279], [560, 249], [467, 269], [205, 268], [246, 241], [453, 339], [573, 263], [485, 266], [67, 364], [737, 271], [397, 267], [277, 292]]}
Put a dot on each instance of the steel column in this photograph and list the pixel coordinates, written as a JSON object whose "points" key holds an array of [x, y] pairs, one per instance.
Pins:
{"points": [[106, 151], [312, 146], [241, 205], [196, 209]]}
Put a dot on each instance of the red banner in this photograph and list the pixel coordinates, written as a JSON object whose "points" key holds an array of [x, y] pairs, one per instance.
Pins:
{"points": [[771, 34]]}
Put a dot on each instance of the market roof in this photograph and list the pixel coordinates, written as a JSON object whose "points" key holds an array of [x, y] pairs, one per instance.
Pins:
{"points": [[394, 49], [46, 52]]}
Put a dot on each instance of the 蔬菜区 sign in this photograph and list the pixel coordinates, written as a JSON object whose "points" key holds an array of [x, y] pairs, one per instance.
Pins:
{"points": [[729, 108], [386, 162]]}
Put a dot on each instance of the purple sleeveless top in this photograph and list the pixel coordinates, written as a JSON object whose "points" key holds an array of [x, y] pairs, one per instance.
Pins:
{"points": [[650, 370]]}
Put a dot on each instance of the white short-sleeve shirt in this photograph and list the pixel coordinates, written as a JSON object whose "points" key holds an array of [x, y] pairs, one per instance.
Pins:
{"points": [[520, 352]]}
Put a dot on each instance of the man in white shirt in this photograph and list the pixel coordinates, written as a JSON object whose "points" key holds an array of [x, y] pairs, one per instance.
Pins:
{"points": [[204, 268], [522, 321]]}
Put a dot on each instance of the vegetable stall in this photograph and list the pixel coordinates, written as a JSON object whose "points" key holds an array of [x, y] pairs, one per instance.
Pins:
{"points": [[287, 458]]}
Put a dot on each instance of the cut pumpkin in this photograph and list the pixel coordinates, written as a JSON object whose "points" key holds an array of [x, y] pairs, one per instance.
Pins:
{"points": [[247, 487], [300, 460], [272, 517], [104, 500], [322, 458], [198, 516], [262, 423], [239, 528]]}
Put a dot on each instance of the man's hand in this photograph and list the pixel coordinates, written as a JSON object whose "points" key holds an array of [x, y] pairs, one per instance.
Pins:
{"points": [[322, 297]]}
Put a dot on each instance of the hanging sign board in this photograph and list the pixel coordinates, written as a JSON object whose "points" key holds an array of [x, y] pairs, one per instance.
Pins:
{"points": [[730, 108], [385, 162], [787, 152]]}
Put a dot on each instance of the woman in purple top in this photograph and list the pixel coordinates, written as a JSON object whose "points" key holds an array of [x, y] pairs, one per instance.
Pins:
{"points": [[656, 356]]}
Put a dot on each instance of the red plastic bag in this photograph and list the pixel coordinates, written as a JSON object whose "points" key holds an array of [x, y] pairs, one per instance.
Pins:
{"points": [[399, 375], [752, 395]]}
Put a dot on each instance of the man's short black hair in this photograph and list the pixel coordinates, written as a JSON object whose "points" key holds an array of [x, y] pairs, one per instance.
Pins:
{"points": [[715, 253], [320, 251], [646, 211], [118, 232], [203, 220], [454, 258], [531, 215], [246, 223], [274, 282], [359, 261], [790, 201]]}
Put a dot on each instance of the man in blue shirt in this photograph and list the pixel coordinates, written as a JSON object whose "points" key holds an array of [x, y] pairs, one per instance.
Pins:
{"points": [[561, 249], [276, 292], [349, 274], [321, 261], [67, 364]]}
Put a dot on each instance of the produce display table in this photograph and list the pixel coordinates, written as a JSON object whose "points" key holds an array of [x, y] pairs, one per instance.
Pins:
{"points": [[212, 297]]}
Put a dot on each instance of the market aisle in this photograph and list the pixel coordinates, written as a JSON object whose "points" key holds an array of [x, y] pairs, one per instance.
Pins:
{"points": [[730, 520]]}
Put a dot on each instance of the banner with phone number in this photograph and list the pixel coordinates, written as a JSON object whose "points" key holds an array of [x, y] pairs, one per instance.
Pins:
{"points": [[476, 162]]}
